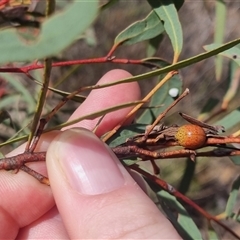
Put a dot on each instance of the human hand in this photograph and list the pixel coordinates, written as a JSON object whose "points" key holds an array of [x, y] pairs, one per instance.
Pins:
{"points": [[94, 194]]}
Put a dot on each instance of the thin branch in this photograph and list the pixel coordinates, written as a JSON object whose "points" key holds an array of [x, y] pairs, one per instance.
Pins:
{"points": [[167, 187]]}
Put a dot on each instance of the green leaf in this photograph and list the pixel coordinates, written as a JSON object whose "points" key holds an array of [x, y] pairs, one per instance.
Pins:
{"points": [[233, 84], [232, 200], [108, 4], [76, 98], [153, 45], [167, 12], [179, 65], [20, 88], [4, 115], [148, 28], [229, 121], [212, 233], [232, 53], [187, 177], [9, 100], [219, 34], [235, 160], [124, 133], [96, 114], [162, 97], [184, 223], [57, 32], [208, 107]]}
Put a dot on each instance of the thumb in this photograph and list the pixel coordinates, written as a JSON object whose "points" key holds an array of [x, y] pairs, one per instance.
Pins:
{"points": [[95, 195]]}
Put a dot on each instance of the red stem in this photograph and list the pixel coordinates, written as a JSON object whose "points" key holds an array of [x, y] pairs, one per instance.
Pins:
{"points": [[35, 66], [180, 196]]}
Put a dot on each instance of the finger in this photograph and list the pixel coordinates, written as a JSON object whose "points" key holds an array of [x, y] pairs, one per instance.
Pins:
{"points": [[49, 226], [23, 199], [96, 100], [107, 97], [96, 196]]}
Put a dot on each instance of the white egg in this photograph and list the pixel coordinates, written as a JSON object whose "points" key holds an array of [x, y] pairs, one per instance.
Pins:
{"points": [[173, 92]]}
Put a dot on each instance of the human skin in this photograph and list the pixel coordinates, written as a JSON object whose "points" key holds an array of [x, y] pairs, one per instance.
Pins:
{"points": [[91, 195]]}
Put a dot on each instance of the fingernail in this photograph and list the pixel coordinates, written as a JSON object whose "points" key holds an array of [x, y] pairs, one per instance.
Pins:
{"points": [[87, 163]]}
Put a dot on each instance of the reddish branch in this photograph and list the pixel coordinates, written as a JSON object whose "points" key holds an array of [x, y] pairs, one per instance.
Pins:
{"points": [[124, 151], [18, 162], [112, 59], [167, 187]]}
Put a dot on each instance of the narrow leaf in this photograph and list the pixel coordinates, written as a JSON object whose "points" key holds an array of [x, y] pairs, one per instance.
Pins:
{"points": [[4, 115], [153, 45], [232, 200], [162, 97], [233, 86], [108, 4], [184, 223], [126, 132], [96, 114], [9, 100], [57, 32], [219, 34], [208, 107], [167, 12], [232, 53], [179, 65], [20, 88], [41, 99], [211, 233], [229, 121], [145, 29]]}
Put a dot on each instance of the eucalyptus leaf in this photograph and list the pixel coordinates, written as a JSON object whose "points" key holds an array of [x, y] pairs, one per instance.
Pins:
{"points": [[220, 20], [145, 29], [57, 33], [232, 53], [124, 133], [232, 200], [20, 88], [184, 223], [9, 100], [208, 107], [162, 97], [212, 234], [153, 45], [229, 121], [167, 12], [233, 84], [4, 115]]}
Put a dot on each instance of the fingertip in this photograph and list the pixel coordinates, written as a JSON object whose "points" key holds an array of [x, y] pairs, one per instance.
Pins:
{"points": [[93, 191], [113, 75], [107, 97], [87, 164]]}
